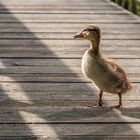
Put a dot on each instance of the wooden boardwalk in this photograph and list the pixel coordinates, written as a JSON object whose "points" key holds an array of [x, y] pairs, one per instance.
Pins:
{"points": [[43, 94]]}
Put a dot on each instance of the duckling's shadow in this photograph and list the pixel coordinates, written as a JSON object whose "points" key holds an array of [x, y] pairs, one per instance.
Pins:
{"points": [[133, 112], [90, 113], [78, 114]]}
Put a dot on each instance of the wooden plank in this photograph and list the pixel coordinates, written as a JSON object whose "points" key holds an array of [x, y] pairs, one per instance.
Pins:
{"points": [[44, 42], [76, 22], [71, 98], [101, 20], [68, 26], [51, 4], [49, 1], [71, 30], [67, 10], [30, 2], [61, 49], [60, 62], [54, 77], [69, 114], [58, 87], [69, 16], [63, 54], [53, 69], [95, 9], [46, 54], [60, 6], [56, 130], [64, 11], [61, 35], [59, 92], [74, 49], [70, 137], [65, 18]]}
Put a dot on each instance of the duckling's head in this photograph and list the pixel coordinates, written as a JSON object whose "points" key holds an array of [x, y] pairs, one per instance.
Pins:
{"points": [[91, 33]]}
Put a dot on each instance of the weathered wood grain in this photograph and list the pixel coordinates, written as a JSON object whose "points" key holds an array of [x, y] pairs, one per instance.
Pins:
{"points": [[61, 114], [67, 27], [53, 69], [43, 94], [61, 7], [45, 55], [70, 137], [61, 49], [61, 62], [65, 42], [54, 77], [65, 18], [85, 87], [54, 130], [65, 30], [10, 97], [49, 1], [60, 35], [66, 11]]}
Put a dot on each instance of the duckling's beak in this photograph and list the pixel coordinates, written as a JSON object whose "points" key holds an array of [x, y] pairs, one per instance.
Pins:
{"points": [[78, 36]]}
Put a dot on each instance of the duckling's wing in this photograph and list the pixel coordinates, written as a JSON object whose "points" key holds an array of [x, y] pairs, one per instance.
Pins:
{"points": [[116, 69]]}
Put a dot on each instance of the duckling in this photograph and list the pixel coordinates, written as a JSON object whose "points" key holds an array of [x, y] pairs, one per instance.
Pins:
{"points": [[106, 75]]}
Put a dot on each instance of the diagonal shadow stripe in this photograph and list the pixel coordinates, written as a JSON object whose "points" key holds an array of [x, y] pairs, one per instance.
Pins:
{"points": [[26, 104]]}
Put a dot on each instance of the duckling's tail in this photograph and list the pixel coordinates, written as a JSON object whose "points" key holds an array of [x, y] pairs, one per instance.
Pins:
{"points": [[127, 86]]}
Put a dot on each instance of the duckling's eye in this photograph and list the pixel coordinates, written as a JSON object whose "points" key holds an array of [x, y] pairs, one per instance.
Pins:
{"points": [[91, 30], [94, 31], [88, 30]]}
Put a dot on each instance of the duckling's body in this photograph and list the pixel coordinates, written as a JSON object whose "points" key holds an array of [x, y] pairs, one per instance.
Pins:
{"points": [[106, 75]]}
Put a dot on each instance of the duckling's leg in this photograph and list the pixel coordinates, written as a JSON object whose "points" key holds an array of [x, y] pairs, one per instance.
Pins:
{"points": [[100, 103], [119, 106]]}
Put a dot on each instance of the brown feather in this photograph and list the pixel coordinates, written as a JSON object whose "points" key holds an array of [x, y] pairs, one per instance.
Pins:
{"points": [[120, 73]]}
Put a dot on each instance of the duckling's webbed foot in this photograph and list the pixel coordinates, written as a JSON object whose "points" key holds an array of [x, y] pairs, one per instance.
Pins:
{"points": [[119, 106], [116, 107]]}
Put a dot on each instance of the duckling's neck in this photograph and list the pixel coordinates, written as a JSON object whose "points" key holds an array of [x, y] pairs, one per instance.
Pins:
{"points": [[94, 47]]}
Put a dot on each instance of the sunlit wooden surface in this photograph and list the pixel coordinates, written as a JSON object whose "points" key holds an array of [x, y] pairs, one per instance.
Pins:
{"points": [[43, 94]]}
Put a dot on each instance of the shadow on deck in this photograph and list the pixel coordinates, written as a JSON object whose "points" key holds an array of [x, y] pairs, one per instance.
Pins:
{"points": [[45, 108]]}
